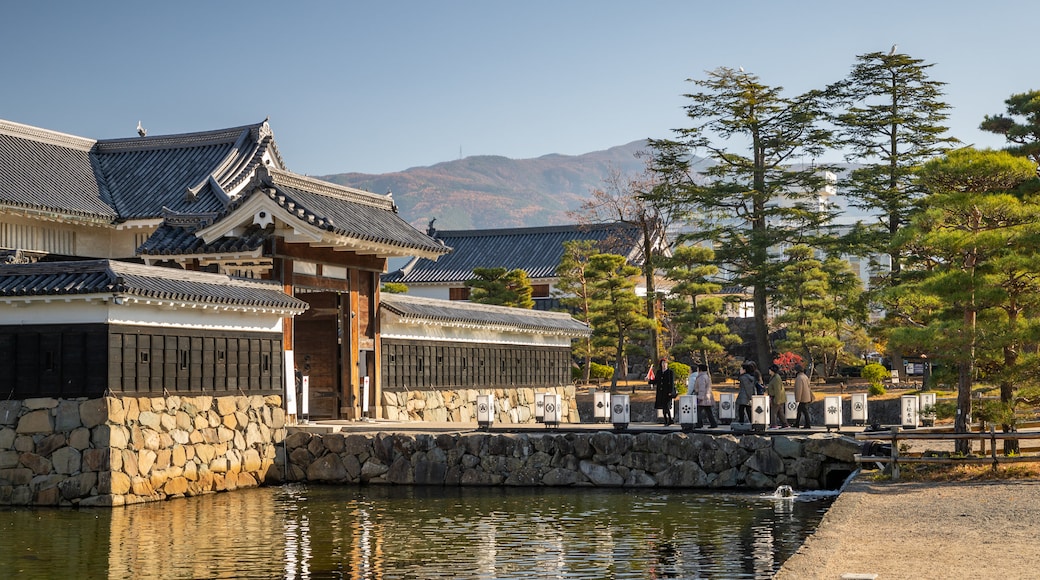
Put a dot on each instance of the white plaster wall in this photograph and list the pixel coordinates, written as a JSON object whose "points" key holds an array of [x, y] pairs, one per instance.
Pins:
{"points": [[67, 311]]}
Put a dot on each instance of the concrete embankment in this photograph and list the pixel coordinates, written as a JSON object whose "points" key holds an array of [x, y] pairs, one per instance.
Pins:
{"points": [[590, 458]]}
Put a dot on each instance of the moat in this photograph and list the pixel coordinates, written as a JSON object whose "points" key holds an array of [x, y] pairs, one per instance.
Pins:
{"points": [[399, 532]]}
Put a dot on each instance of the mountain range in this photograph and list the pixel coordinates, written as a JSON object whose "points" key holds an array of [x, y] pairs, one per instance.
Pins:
{"points": [[487, 191]]}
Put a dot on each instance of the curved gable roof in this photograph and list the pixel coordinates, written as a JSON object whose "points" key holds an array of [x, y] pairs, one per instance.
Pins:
{"points": [[189, 172]]}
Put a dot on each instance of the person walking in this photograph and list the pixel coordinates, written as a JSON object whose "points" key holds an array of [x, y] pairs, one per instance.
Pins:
{"points": [[747, 380], [663, 381], [777, 398], [701, 386], [802, 395]]}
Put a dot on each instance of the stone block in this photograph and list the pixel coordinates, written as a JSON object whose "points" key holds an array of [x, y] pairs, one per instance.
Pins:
{"points": [[96, 459], [25, 444], [9, 459], [9, 410], [150, 420], [230, 421], [67, 461], [39, 403], [93, 412], [80, 438], [142, 486], [7, 437], [39, 421], [130, 465], [178, 457], [113, 482], [66, 416], [168, 422], [116, 410], [78, 486], [176, 486], [39, 464], [47, 444], [600, 475], [226, 406]]}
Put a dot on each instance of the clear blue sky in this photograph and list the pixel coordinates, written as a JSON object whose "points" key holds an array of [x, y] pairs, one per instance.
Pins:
{"points": [[380, 86]]}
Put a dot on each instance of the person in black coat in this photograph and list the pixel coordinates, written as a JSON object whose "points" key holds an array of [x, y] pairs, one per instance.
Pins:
{"points": [[663, 380]]}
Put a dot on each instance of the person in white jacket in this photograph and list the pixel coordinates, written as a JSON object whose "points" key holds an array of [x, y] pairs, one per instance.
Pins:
{"points": [[700, 385]]}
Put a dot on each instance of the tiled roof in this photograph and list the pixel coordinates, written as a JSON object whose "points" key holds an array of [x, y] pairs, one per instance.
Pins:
{"points": [[144, 175], [152, 282], [123, 179], [350, 213], [432, 309], [47, 171], [537, 251]]}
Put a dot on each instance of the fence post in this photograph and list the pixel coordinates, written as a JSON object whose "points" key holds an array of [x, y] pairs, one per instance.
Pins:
{"points": [[895, 453], [993, 444]]}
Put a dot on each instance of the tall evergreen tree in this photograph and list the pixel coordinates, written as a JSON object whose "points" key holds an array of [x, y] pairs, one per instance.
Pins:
{"points": [[890, 119], [615, 311], [752, 196]]}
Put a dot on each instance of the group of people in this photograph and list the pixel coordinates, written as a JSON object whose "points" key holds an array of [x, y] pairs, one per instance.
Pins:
{"points": [[750, 383]]}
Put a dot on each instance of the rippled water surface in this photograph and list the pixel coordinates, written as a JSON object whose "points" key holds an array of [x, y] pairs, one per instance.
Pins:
{"points": [[415, 532]]}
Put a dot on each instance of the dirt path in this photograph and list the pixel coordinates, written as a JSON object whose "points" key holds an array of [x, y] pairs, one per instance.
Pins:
{"points": [[925, 530]]}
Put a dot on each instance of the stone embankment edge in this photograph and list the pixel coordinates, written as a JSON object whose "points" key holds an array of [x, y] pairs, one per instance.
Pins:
{"points": [[594, 458]]}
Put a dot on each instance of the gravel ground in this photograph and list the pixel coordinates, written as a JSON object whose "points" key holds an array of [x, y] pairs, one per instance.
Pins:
{"points": [[925, 530]]}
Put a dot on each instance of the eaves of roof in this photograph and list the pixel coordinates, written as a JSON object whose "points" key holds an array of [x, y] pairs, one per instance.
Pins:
{"points": [[421, 309], [93, 277]]}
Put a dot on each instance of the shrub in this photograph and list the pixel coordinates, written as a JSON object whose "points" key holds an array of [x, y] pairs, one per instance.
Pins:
{"points": [[876, 389], [682, 373], [599, 372], [875, 373]]}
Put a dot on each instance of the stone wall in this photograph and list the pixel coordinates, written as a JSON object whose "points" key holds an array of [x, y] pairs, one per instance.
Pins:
{"points": [[512, 404], [593, 458], [122, 450]]}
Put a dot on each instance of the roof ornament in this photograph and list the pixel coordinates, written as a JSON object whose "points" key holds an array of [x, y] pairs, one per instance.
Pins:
{"points": [[141, 130], [430, 230]]}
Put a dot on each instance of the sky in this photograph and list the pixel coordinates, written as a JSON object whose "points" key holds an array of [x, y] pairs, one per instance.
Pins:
{"points": [[381, 86]]}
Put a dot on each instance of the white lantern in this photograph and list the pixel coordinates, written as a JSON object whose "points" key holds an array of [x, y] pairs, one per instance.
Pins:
{"points": [[539, 407], [600, 407], [908, 410], [791, 408], [832, 412], [760, 412], [687, 412], [727, 407], [552, 413], [927, 410], [619, 411], [485, 411], [859, 408]]}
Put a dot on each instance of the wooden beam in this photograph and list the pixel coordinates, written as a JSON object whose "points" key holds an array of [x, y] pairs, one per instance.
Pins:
{"points": [[330, 256]]}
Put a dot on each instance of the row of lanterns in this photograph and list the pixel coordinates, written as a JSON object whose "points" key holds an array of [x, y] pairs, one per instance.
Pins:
{"points": [[915, 410]]}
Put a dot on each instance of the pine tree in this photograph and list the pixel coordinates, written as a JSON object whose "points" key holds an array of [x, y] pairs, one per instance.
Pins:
{"points": [[890, 119], [694, 308], [972, 243], [751, 196], [501, 287], [615, 310]]}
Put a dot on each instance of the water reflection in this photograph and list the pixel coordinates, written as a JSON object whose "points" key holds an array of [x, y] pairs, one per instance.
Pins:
{"points": [[390, 533]]}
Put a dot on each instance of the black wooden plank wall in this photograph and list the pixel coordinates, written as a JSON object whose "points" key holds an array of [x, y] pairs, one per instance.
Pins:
{"points": [[423, 364], [88, 360]]}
